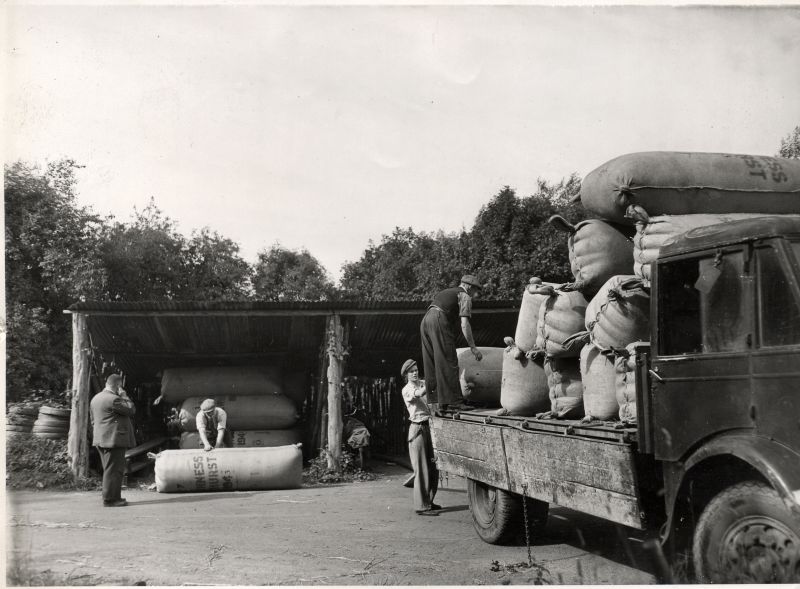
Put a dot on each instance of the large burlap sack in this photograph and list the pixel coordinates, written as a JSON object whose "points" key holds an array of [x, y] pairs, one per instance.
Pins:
{"points": [[244, 413], [625, 367], [565, 388], [229, 469], [681, 183], [599, 379], [619, 314], [249, 438], [178, 384], [651, 235], [598, 250], [534, 295], [561, 317], [524, 389], [481, 380]]}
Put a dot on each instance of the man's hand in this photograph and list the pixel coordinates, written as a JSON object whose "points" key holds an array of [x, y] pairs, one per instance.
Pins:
{"points": [[207, 447], [477, 353]]}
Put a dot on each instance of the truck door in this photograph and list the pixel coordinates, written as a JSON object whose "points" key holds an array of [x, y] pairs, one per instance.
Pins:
{"points": [[701, 360], [776, 361]]}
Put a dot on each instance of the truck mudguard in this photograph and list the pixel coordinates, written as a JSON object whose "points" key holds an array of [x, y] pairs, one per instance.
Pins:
{"points": [[776, 463]]}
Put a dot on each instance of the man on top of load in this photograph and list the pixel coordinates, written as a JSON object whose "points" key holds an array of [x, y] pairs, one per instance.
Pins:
{"points": [[212, 425], [438, 333]]}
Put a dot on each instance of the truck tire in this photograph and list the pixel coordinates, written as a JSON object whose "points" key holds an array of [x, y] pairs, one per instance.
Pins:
{"points": [[498, 515], [747, 535]]}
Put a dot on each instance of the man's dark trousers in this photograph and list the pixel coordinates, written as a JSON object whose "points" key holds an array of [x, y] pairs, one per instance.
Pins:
{"points": [[113, 460], [439, 358]]}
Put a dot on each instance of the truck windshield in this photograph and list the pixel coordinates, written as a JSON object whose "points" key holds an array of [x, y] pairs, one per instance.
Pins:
{"points": [[702, 305]]}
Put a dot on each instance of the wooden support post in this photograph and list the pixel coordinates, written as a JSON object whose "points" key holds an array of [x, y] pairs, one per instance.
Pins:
{"points": [[337, 350], [78, 442]]}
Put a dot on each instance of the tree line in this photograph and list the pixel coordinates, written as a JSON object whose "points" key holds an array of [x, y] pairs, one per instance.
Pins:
{"points": [[58, 253]]}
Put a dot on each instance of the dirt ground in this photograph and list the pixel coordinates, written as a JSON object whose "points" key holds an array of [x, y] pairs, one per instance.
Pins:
{"points": [[362, 533]]}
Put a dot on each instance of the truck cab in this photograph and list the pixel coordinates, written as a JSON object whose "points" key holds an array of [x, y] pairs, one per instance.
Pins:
{"points": [[721, 396]]}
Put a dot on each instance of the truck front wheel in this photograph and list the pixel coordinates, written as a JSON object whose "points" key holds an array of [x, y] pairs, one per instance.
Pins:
{"points": [[498, 515], [747, 535]]}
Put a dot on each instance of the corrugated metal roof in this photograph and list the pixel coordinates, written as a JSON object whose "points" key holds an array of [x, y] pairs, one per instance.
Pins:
{"points": [[252, 306], [144, 338]]}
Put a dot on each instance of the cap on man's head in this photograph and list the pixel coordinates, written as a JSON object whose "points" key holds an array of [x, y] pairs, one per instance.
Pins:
{"points": [[114, 379], [470, 279], [207, 405], [407, 365]]}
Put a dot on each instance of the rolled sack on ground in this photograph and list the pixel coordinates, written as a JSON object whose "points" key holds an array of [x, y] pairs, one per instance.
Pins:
{"points": [[619, 314], [598, 250], [249, 438], [682, 183], [229, 469], [524, 389], [178, 384], [245, 412], [481, 380]]}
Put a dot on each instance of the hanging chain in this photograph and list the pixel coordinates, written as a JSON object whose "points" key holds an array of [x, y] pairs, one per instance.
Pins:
{"points": [[525, 515]]}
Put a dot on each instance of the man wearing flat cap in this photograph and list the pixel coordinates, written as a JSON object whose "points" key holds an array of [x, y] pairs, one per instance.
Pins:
{"points": [[449, 308], [212, 424], [420, 445], [112, 433]]}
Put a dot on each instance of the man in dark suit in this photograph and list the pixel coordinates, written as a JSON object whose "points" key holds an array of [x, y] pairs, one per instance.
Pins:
{"points": [[111, 412]]}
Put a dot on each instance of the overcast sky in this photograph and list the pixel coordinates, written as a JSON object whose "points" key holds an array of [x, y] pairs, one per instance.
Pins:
{"points": [[325, 127]]}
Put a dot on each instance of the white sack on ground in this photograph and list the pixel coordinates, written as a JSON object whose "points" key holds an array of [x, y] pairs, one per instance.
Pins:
{"points": [[599, 379], [229, 469], [681, 183], [248, 412], [524, 389], [598, 250], [481, 380], [619, 314], [178, 384]]}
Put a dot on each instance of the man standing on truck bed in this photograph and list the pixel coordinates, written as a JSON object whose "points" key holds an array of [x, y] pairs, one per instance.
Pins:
{"points": [[438, 333]]}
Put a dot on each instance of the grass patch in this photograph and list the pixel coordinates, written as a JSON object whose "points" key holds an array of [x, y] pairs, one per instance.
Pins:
{"points": [[41, 463]]}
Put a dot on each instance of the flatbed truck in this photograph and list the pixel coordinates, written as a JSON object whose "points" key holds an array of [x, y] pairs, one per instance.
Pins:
{"points": [[712, 467]]}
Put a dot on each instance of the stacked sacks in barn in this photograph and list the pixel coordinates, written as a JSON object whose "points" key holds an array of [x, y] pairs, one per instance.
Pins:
{"points": [[259, 414]]}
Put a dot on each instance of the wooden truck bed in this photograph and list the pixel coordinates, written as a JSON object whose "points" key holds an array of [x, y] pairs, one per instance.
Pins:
{"points": [[586, 467]]}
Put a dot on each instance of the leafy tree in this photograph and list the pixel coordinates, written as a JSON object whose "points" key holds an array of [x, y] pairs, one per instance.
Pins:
{"points": [[50, 261], [404, 266], [143, 259], [215, 270], [509, 242], [281, 274], [790, 145]]}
